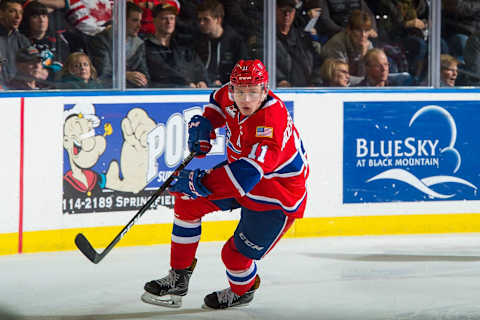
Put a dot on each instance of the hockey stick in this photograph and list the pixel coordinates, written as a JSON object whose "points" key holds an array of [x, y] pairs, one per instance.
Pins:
{"points": [[86, 248]]}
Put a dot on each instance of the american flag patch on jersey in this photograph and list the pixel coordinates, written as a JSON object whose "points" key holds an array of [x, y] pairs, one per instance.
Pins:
{"points": [[264, 132]]}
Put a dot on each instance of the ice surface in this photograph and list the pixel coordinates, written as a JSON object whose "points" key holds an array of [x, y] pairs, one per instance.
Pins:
{"points": [[386, 277]]}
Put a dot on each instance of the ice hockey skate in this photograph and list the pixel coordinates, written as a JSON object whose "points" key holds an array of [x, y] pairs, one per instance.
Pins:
{"points": [[226, 298], [168, 291]]}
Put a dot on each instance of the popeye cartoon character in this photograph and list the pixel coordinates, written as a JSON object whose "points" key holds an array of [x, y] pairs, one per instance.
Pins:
{"points": [[84, 148]]}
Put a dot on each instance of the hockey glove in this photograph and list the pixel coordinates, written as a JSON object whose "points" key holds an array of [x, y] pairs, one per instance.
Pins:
{"points": [[200, 132], [189, 182]]}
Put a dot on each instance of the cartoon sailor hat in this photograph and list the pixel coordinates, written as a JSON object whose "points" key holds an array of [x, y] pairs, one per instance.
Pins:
{"points": [[83, 110]]}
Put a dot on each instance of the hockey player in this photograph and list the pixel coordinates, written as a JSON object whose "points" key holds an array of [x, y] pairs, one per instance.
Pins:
{"points": [[265, 176]]}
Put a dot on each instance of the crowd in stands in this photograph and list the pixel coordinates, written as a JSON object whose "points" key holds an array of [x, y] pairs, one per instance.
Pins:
{"points": [[68, 44]]}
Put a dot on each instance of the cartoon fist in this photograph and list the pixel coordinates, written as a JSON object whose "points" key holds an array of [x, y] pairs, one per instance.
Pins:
{"points": [[134, 156]]}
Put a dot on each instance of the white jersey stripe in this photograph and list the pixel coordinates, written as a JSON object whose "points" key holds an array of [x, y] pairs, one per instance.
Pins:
{"points": [[185, 240]]}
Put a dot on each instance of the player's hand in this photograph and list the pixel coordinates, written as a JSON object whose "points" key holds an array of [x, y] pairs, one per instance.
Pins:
{"points": [[199, 134], [189, 182]]}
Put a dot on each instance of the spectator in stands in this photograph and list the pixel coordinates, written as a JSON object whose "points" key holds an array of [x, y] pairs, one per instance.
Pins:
{"points": [[448, 70], [53, 48], [334, 73], [405, 26], [60, 27], [352, 44], [307, 20], [30, 71], [2, 62], [171, 64], [246, 17], [147, 28], [336, 15], [378, 72], [471, 56], [219, 47], [11, 40], [460, 20], [57, 24], [295, 54], [79, 73], [89, 16], [101, 52]]}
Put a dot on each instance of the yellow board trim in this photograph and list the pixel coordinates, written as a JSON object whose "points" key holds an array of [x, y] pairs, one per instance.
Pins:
{"points": [[8, 243], [100, 237]]}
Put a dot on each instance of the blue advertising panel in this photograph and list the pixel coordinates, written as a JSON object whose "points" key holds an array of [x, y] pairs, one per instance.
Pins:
{"points": [[410, 151], [116, 155]]}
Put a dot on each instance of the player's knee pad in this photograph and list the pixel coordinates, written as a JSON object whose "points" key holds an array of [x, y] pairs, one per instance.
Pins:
{"points": [[232, 258], [193, 209]]}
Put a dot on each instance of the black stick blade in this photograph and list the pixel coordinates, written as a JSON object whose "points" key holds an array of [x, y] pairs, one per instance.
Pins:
{"points": [[86, 248]]}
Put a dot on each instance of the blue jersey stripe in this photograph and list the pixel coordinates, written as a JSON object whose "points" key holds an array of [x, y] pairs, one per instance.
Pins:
{"points": [[290, 168], [245, 174]]}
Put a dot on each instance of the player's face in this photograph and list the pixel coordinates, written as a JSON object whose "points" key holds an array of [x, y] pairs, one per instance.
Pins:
{"points": [[134, 20], [248, 98]]}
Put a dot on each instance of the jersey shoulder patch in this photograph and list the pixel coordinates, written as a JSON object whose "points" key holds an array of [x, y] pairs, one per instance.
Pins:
{"points": [[264, 132]]}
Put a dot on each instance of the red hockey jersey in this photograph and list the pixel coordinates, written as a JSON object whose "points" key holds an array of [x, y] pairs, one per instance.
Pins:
{"points": [[267, 165]]}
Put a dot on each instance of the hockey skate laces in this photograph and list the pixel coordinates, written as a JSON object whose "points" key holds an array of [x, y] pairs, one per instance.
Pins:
{"points": [[227, 296], [170, 280]]}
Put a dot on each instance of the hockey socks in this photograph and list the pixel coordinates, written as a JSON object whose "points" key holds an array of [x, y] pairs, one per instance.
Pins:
{"points": [[241, 271], [185, 238]]}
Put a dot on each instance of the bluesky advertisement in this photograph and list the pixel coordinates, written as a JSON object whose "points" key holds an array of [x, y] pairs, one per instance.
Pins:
{"points": [[411, 151], [116, 155]]}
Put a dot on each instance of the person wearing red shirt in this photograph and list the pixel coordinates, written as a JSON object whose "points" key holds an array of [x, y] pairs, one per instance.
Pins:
{"points": [[265, 175]]}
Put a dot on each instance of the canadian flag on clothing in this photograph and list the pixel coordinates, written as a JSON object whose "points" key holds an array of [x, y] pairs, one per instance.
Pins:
{"points": [[89, 16]]}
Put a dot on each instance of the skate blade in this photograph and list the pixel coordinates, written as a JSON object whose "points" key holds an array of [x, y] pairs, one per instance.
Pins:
{"points": [[205, 307], [169, 301]]}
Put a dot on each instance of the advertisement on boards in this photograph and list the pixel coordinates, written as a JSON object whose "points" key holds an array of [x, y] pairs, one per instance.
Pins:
{"points": [[410, 151], [115, 156]]}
